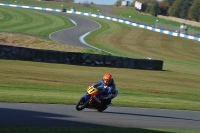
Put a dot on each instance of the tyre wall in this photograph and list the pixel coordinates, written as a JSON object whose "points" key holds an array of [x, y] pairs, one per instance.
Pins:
{"points": [[74, 58]]}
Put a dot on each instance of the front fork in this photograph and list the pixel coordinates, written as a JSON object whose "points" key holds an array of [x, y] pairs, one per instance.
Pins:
{"points": [[87, 98]]}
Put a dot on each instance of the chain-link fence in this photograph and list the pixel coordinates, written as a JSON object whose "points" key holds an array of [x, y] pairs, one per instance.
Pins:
{"points": [[159, 25]]}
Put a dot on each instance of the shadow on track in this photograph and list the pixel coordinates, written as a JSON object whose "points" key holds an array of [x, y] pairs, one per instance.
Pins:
{"points": [[18, 121], [156, 116]]}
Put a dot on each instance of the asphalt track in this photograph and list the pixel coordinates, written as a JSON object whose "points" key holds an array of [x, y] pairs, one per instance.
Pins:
{"points": [[72, 36], [27, 114]]}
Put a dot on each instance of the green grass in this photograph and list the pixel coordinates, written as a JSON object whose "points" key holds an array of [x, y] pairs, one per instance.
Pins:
{"points": [[52, 4], [31, 22], [61, 83], [134, 42], [176, 87], [130, 11]]}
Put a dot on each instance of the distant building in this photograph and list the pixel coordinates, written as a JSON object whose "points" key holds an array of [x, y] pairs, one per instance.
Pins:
{"points": [[125, 3], [138, 5]]}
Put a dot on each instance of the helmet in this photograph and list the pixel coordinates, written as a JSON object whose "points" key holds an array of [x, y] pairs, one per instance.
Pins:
{"points": [[107, 78]]}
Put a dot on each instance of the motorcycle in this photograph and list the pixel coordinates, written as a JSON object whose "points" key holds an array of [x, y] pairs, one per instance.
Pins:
{"points": [[93, 100]]}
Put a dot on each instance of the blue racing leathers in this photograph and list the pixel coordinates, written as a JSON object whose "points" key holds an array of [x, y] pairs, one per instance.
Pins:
{"points": [[110, 90]]}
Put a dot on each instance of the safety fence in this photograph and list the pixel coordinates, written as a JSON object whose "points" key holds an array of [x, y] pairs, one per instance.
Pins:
{"points": [[74, 58], [112, 19]]}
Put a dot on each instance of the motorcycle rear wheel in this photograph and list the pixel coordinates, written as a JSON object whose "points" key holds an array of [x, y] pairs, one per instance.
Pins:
{"points": [[81, 104]]}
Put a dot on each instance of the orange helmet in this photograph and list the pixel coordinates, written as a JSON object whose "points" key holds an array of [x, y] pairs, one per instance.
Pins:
{"points": [[107, 78]]}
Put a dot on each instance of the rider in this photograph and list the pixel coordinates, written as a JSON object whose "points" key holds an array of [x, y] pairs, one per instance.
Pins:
{"points": [[108, 85]]}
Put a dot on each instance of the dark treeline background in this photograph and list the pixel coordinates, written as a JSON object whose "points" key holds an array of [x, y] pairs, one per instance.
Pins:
{"points": [[185, 9]]}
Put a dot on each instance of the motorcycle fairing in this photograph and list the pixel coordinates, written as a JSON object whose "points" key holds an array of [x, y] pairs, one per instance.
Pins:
{"points": [[86, 96]]}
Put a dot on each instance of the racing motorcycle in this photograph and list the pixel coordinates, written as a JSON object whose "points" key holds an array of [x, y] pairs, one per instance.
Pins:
{"points": [[93, 100]]}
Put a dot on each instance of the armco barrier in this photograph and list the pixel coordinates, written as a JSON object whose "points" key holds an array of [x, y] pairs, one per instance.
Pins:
{"points": [[109, 18], [49, 56]]}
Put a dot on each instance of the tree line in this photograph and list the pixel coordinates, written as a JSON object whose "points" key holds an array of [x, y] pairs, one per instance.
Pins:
{"points": [[185, 9]]}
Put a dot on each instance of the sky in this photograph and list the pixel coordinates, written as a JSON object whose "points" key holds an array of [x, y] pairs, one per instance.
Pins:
{"points": [[101, 2]]}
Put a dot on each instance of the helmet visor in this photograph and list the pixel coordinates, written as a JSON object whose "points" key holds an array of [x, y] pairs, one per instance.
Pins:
{"points": [[106, 81]]}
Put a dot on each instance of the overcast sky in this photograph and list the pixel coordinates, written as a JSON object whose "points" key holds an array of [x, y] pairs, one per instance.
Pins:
{"points": [[102, 2]]}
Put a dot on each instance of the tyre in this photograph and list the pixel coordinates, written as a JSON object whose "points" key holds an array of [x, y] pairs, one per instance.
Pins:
{"points": [[81, 104], [102, 108]]}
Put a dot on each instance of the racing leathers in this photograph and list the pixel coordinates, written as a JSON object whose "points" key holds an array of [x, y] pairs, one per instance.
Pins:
{"points": [[110, 91]]}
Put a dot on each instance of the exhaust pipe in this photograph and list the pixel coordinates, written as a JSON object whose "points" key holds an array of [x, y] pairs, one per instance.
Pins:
{"points": [[96, 99]]}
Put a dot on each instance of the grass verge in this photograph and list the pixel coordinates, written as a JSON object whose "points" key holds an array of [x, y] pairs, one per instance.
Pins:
{"points": [[36, 82]]}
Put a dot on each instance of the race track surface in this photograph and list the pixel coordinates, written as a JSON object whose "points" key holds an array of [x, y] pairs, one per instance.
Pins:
{"points": [[72, 35], [27, 114]]}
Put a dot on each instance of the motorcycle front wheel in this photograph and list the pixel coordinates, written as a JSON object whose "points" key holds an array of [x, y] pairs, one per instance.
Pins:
{"points": [[81, 104]]}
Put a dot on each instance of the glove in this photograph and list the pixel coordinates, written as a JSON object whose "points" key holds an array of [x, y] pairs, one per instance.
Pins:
{"points": [[90, 87]]}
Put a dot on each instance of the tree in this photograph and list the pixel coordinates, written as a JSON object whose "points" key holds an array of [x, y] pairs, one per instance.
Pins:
{"points": [[169, 3], [194, 11], [154, 9], [180, 8], [162, 5], [175, 8], [118, 2], [147, 5], [86, 3], [185, 9]]}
